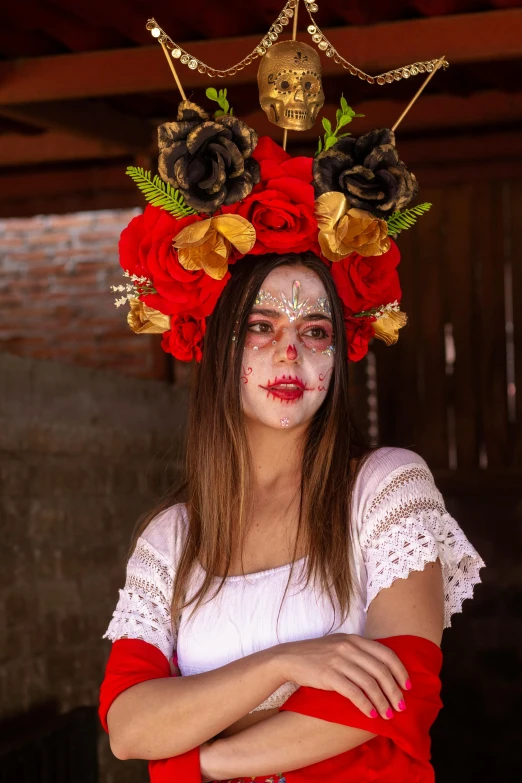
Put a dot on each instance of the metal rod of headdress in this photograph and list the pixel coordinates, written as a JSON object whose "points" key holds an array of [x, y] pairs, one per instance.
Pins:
{"points": [[155, 30], [440, 62], [175, 75], [294, 36]]}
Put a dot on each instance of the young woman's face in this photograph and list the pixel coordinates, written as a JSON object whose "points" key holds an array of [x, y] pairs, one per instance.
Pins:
{"points": [[288, 357]]}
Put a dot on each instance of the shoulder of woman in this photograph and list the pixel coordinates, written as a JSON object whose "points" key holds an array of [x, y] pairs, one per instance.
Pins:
{"points": [[382, 468], [166, 531]]}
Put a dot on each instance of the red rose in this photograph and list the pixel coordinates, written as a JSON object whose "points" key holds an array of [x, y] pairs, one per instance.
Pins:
{"points": [[146, 250], [365, 283], [185, 339], [281, 207], [359, 332], [274, 162]]}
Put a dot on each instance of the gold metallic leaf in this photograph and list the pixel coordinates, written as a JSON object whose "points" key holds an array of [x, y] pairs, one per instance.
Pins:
{"points": [[387, 326], [237, 230], [145, 320], [206, 245], [329, 209], [211, 257], [344, 229], [194, 234]]}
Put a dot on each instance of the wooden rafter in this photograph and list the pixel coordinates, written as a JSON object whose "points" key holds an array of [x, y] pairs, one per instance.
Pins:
{"points": [[55, 147], [435, 113], [485, 109], [90, 119], [103, 185], [463, 38]]}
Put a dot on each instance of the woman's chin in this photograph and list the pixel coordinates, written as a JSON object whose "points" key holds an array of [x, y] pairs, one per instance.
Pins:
{"points": [[281, 421]]}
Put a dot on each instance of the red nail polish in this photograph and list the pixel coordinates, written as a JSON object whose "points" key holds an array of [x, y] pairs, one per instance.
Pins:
{"points": [[389, 712], [408, 685], [374, 714], [402, 705]]}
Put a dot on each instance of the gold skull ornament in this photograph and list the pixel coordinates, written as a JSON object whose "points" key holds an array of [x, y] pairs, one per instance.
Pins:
{"points": [[290, 87]]}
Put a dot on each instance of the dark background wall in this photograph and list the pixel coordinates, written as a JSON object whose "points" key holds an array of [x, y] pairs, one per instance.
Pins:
{"points": [[82, 454]]}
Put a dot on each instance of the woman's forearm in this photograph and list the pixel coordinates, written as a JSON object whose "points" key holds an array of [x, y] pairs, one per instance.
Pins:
{"points": [[281, 743], [166, 717]]}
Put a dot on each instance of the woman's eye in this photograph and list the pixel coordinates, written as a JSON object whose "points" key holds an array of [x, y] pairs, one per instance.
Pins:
{"points": [[316, 332], [259, 327]]}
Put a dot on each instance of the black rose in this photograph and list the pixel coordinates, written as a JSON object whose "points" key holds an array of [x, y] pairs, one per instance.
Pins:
{"points": [[368, 171], [208, 160]]}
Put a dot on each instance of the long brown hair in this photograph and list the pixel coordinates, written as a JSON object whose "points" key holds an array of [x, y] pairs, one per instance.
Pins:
{"points": [[218, 463]]}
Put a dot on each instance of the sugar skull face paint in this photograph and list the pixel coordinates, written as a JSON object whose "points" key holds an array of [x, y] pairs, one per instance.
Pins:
{"points": [[289, 347]]}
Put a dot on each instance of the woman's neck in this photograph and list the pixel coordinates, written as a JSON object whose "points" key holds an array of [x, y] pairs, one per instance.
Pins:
{"points": [[276, 456]]}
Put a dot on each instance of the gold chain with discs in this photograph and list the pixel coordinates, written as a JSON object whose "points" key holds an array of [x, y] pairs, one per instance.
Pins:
{"points": [[320, 40]]}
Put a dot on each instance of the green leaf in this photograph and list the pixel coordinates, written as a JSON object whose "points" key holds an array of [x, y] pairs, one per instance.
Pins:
{"points": [[319, 146], [231, 112], [344, 104], [327, 125], [358, 115], [329, 142], [159, 193], [338, 115], [342, 135], [221, 99], [345, 119], [402, 220]]}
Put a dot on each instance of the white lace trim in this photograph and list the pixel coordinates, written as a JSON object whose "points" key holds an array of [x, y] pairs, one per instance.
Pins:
{"points": [[143, 608], [278, 697], [407, 526]]}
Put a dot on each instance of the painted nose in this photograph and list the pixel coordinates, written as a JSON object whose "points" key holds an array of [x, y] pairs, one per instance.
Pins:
{"points": [[291, 353], [299, 95]]}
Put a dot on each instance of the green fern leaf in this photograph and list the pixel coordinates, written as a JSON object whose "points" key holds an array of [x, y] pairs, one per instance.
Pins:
{"points": [[159, 193], [400, 221]]}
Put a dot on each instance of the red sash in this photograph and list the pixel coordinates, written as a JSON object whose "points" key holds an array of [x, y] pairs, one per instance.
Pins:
{"points": [[400, 752]]}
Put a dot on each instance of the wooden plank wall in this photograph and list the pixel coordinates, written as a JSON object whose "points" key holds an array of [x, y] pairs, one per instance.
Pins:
{"points": [[448, 388]]}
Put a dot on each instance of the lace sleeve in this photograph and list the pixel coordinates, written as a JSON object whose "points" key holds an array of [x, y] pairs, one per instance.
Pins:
{"points": [[405, 526], [143, 608]]}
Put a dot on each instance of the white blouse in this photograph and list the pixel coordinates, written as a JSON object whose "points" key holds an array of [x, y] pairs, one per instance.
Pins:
{"points": [[400, 523]]}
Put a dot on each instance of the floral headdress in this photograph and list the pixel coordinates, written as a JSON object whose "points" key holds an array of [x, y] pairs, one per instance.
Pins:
{"points": [[221, 193]]}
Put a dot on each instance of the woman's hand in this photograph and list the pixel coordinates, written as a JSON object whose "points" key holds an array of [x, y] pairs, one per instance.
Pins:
{"points": [[366, 672]]}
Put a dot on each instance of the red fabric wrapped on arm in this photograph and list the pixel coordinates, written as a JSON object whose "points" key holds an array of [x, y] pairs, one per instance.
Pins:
{"points": [[400, 752]]}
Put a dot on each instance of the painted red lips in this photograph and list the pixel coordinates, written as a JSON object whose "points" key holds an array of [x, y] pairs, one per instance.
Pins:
{"points": [[286, 387]]}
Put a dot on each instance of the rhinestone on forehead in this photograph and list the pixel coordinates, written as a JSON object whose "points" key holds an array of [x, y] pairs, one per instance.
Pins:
{"points": [[294, 309]]}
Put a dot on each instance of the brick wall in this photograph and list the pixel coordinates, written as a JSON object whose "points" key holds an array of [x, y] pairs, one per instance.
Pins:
{"points": [[55, 302], [82, 454]]}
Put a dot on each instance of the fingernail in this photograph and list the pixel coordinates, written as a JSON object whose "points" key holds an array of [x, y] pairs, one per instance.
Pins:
{"points": [[374, 714], [389, 712], [408, 685], [402, 705]]}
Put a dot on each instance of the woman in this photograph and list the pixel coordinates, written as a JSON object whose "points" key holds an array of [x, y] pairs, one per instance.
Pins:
{"points": [[297, 549]]}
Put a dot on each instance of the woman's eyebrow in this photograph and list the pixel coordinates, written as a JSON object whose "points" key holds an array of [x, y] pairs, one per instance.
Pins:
{"points": [[267, 313], [316, 317]]}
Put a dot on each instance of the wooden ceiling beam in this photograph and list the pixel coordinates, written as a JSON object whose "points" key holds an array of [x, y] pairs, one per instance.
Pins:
{"points": [[67, 140], [90, 119], [463, 38], [485, 109], [54, 147], [437, 160]]}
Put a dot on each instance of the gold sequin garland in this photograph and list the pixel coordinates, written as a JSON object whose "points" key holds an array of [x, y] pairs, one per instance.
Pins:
{"points": [[318, 37]]}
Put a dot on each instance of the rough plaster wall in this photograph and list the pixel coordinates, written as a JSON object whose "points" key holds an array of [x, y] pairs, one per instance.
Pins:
{"points": [[82, 454]]}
